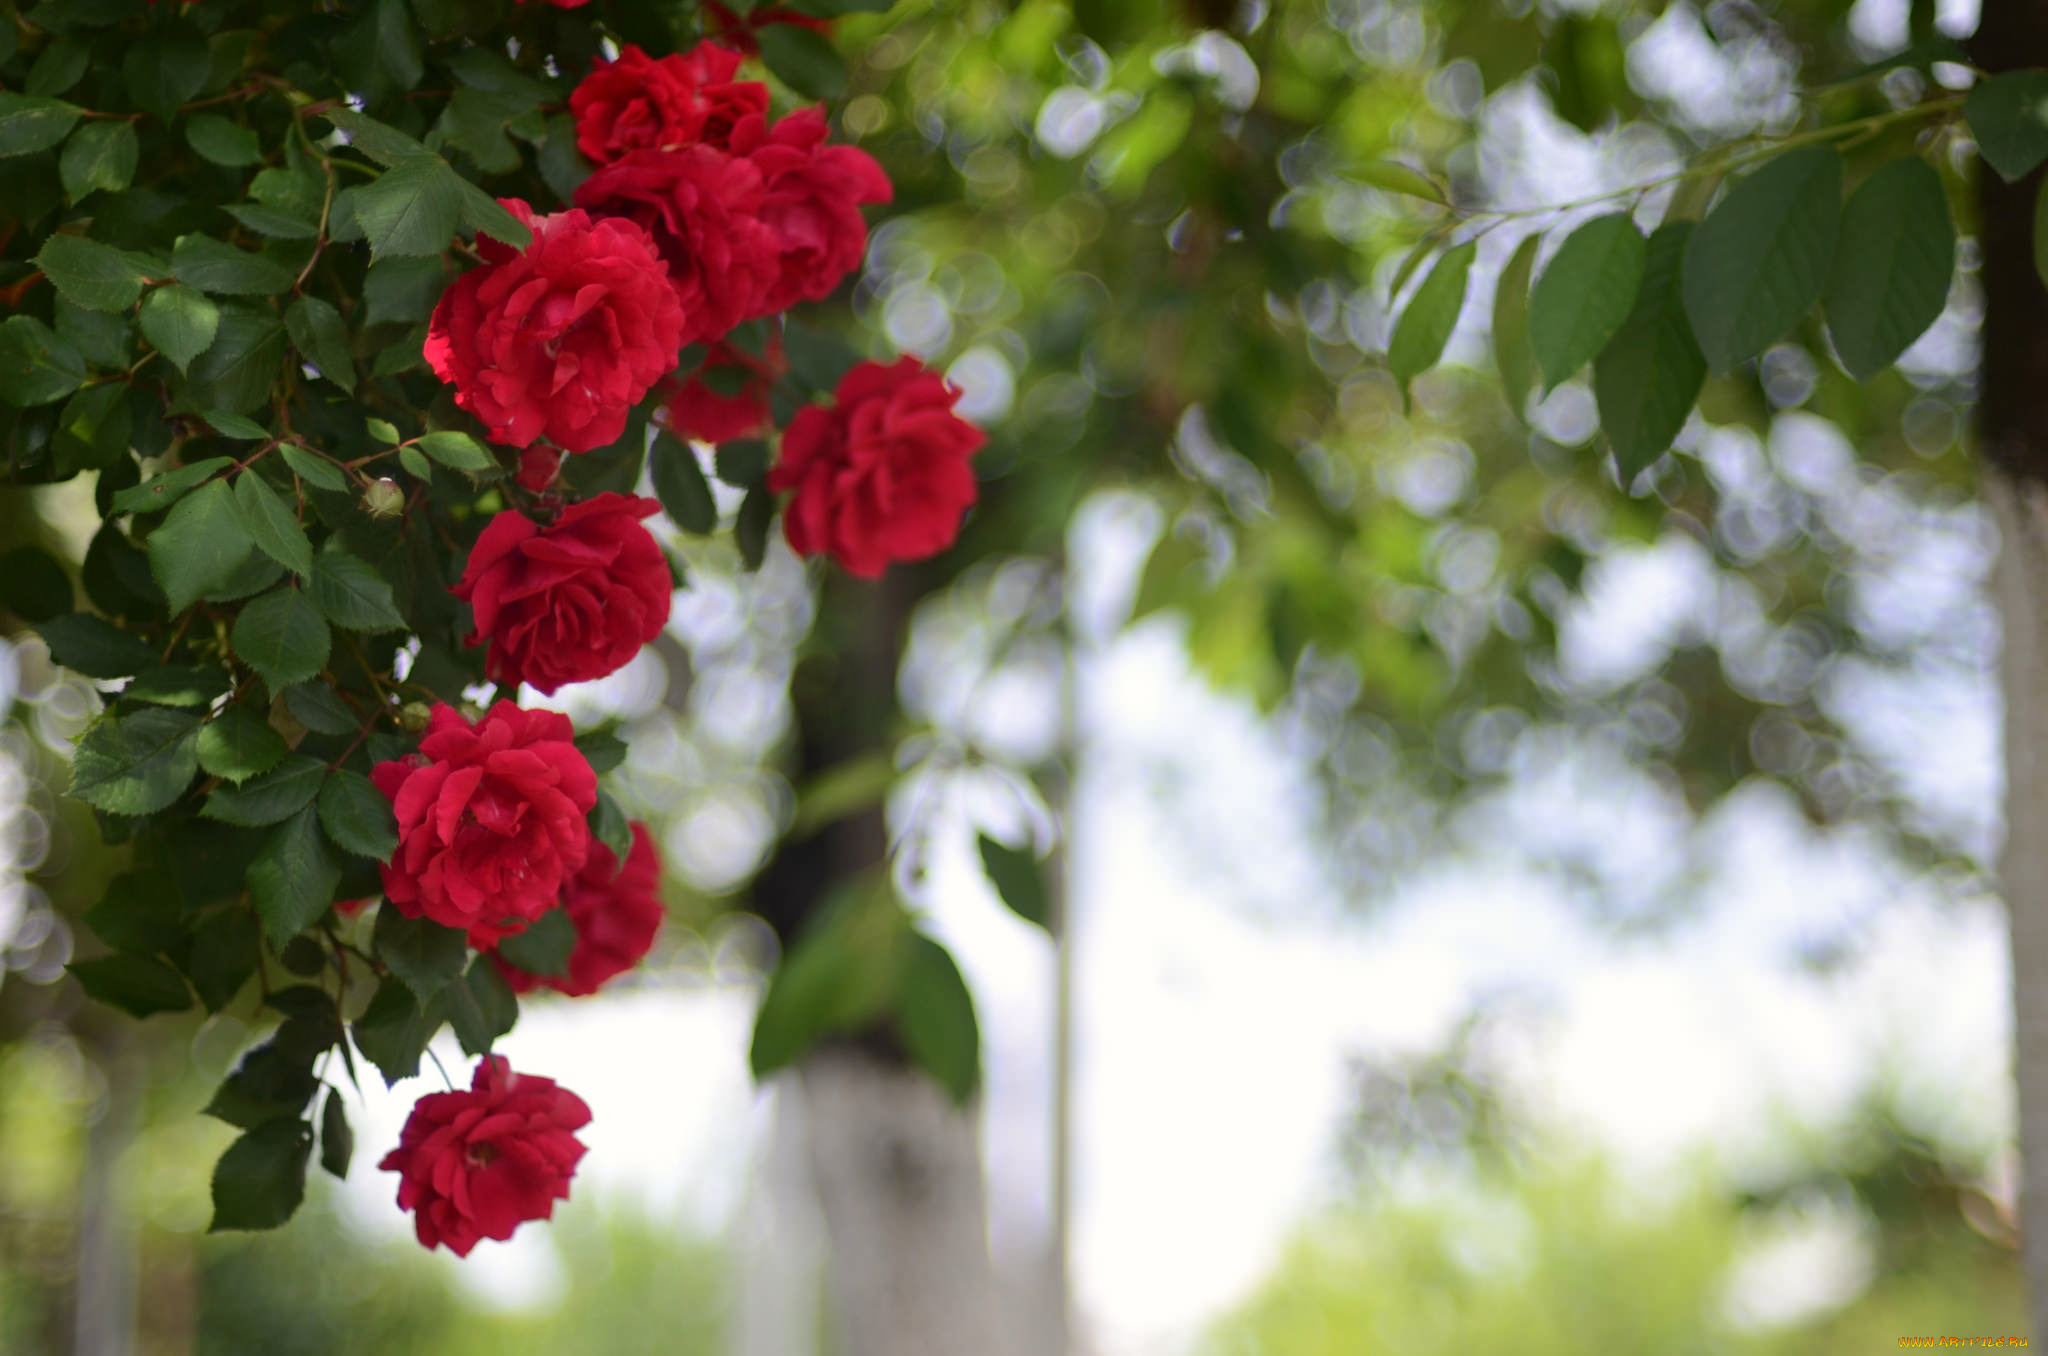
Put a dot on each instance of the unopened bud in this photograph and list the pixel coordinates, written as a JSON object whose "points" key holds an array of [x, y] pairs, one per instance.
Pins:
{"points": [[413, 716], [383, 498]]}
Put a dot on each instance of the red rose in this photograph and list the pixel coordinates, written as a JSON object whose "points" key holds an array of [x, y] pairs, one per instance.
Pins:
{"points": [[538, 467], [570, 601], [737, 32], [695, 410], [699, 205], [558, 340], [478, 1164], [616, 910], [881, 475], [490, 819], [810, 201], [639, 104]]}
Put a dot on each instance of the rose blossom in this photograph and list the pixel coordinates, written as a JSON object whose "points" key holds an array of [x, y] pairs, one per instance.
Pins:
{"points": [[810, 201], [478, 1164], [700, 206], [616, 911], [882, 474], [569, 601], [490, 819], [737, 32], [694, 410], [560, 339], [639, 104]]}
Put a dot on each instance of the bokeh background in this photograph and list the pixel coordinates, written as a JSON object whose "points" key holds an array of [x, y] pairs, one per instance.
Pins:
{"points": [[1509, 911]]}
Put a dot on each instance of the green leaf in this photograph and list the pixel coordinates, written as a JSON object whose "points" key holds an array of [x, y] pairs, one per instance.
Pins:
{"points": [[543, 949], [199, 545], [1395, 177], [312, 468], [609, 825], [137, 985], [403, 291], [321, 338], [1431, 314], [136, 764], [93, 430], [412, 208], [458, 451], [239, 371], [239, 426], [31, 123], [1892, 265], [840, 972], [36, 367], [100, 155], [180, 322], [188, 685], [485, 215], [2009, 117], [276, 795], [1512, 353], [1584, 294], [1647, 378], [140, 912], [272, 222], [381, 142], [275, 526], [292, 880], [602, 749], [315, 706], [167, 70], [261, 1179], [283, 637], [394, 1030], [680, 485], [94, 647], [357, 816], [33, 586], [160, 492], [239, 744], [482, 1007], [742, 464], [382, 431], [267, 1083], [935, 1016], [221, 141], [805, 61], [1756, 265], [750, 531], [1017, 880], [416, 465], [58, 68], [352, 595], [218, 267], [337, 1141], [223, 956], [425, 956]]}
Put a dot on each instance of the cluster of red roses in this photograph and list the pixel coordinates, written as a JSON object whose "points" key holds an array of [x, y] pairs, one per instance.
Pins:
{"points": [[701, 215]]}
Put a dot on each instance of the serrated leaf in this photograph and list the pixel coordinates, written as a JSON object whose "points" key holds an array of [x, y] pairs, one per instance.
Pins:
{"points": [[199, 545], [239, 370], [412, 208], [36, 366], [283, 637], [317, 707], [1018, 882], [1892, 266], [180, 322], [322, 339], [136, 764], [276, 795], [140, 912], [167, 70], [358, 817], [382, 431], [292, 879], [95, 647], [1512, 354], [1431, 315], [218, 267], [457, 451], [31, 123], [381, 142], [394, 1030], [261, 1179], [544, 947], [272, 222], [273, 524], [422, 954], [680, 485], [315, 470], [137, 985], [1646, 380], [190, 685], [602, 749], [352, 595], [481, 1007], [485, 215], [268, 1082], [935, 1017], [239, 744], [803, 60], [231, 425], [417, 466], [1756, 265], [221, 141], [1585, 293], [223, 957], [337, 1141], [160, 492], [100, 155], [2009, 117]]}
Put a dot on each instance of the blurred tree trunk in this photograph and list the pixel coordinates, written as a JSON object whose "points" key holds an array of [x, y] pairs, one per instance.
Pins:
{"points": [[2013, 415]]}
